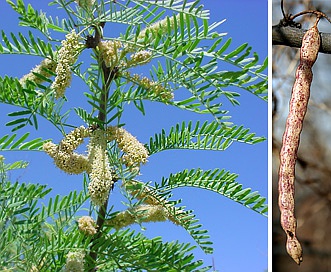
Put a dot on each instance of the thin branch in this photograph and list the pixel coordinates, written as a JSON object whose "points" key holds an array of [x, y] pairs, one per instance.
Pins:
{"points": [[108, 76], [291, 36], [100, 221], [316, 12], [282, 8]]}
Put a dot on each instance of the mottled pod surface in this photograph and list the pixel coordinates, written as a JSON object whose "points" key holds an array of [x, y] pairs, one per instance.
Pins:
{"points": [[291, 139]]}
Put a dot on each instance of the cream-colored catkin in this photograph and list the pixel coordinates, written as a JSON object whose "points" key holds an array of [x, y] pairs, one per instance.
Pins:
{"points": [[142, 192], [150, 198], [110, 52], [100, 174], [141, 213], [66, 57], [135, 152], [63, 154], [87, 225], [43, 69], [85, 3], [154, 87], [291, 139], [75, 261], [159, 27]]}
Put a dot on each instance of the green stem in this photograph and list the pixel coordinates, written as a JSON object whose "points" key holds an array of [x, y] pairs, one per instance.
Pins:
{"points": [[108, 76]]}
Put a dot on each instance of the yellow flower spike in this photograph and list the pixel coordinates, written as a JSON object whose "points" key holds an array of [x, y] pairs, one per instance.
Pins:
{"points": [[46, 64], [85, 3], [63, 155], [87, 225], [67, 56], [110, 52], [135, 152], [100, 172], [75, 262], [141, 213]]}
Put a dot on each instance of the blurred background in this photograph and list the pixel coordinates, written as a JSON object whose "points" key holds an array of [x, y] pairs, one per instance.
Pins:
{"points": [[313, 168]]}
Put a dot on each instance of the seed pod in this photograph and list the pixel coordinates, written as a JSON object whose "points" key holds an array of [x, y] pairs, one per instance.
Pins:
{"points": [[291, 139]]}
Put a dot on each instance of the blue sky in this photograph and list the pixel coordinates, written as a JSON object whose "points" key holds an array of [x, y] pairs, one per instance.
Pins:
{"points": [[239, 234]]}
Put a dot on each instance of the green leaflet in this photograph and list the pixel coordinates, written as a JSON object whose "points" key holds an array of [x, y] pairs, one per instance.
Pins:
{"points": [[121, 248], [23, 214], [219, 181], [25, 45], [8, 142], [32, 103], [37, 231], [36, 19], [178, 214], [205, 136], [187, 7], [15, 165]]}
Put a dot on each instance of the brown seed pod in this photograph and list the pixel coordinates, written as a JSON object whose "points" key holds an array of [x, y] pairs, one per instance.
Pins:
{"points": [[291, 139]]}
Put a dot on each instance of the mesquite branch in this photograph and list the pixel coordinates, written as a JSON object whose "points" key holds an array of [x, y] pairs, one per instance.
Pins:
{"points": [[292, 36], [108, 76], [289, 33]]}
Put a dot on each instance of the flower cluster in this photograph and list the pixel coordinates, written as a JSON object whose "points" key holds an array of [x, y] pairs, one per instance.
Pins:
{"points": [[96, 163], [75, 262], [154, 87], [141, 213], [140, 58], [85, 3], [87, 225], [148, 196], [74, 139], [159, 27], [63, 154], [100, 173], [42, 69], [67, 56], [110, 52], [147, 35], [35, 268], [71, 163], [141, 192], [134, 152]]}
